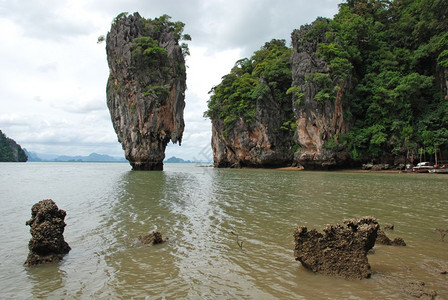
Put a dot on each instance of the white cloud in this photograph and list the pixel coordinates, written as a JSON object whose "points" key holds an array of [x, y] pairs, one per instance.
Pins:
{"points": [[53, 75]]}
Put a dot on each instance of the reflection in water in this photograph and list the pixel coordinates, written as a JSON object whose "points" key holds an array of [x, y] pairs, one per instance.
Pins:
{"points": [[46, 280], [108, 207]]}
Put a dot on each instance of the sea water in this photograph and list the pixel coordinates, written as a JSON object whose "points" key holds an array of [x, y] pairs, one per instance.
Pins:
{"points": [[230, 232]]}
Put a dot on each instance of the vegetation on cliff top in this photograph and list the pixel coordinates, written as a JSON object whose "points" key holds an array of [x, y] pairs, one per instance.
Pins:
{"points": [[147, 54], [250, 80], [10, 151], [396, 54]]}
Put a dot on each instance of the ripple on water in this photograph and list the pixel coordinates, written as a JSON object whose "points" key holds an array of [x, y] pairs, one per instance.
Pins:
{"points": [[201, 210]]}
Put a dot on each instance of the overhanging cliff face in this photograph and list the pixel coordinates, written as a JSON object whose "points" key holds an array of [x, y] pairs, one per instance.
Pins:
{"points": [[317, 102], [145, 89]]}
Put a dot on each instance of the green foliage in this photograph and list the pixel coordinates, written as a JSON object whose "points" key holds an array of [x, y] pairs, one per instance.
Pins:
{"points": [[395, 51], [120, 16], [158, 91], [289, 125], [101, 39], [266, 74], [162, 24], [146, 54], [146, 51], [317, 31], [324, 85], [297, 94], [331, 144]]}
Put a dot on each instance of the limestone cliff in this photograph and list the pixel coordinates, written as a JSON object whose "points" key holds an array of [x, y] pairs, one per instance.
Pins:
{"points": [[145, 90], [362, 90], [261, 143], [10, 151], [296, 121], [317, 101], [251, 113]]}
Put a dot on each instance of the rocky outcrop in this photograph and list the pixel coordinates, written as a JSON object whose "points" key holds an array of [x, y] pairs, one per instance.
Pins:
{"points": [[256, 144], [47, 228], [146, 86], [317, 101], [10, 151], [153, 238], [418, 290], [383, 239], [340, 251]]}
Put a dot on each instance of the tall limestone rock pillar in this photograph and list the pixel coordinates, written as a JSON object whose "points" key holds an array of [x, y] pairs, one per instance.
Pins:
{"points": [[146, 86], [317, 100]]}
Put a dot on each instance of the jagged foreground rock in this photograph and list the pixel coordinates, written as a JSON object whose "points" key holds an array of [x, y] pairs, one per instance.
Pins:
{"points": [[47, 228], [340, 250], [145, 90]]}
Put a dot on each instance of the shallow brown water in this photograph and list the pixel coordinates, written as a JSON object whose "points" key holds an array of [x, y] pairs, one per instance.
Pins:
{"points": [[200, 210]]}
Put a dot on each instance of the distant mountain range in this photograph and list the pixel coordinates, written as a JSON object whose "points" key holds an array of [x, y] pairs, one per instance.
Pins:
{"points": [[92, 157]]}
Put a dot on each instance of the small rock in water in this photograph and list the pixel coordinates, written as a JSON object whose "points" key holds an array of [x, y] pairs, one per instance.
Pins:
{"points": [[389, 227], [152, 239], [47, 228], [442, 232], [340, 251], [398, 242], [382, 239], [417, 289]]}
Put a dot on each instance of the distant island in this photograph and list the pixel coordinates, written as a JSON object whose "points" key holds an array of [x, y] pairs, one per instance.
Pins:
{"points": [[10, 151], [174, 159]]}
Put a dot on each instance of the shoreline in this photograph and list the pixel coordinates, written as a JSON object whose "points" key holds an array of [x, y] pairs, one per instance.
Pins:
{"points": [[344, 170]]}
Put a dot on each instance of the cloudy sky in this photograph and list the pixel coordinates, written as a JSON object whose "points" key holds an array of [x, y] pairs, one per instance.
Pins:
{"points": [[53, 73]]}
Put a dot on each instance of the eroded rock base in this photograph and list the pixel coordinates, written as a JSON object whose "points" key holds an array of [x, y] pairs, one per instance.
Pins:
{"points": [[340, 250], [147, 166], [47, 228]]}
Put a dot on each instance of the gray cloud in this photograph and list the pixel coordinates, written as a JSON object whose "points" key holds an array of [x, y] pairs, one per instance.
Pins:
{"points": [[45, 19], [48, 67]]}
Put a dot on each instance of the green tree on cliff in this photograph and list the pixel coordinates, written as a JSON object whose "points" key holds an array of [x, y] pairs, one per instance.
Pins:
{"points": [[267, 71], [399, 53]]}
